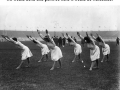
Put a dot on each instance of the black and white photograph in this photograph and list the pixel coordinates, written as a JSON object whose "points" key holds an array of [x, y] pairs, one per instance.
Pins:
{"points": [[59, 47]]}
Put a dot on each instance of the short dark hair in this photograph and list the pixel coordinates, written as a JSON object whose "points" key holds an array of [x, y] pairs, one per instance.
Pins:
{"points": [[14, 38], [98, 39], [46, 38], [88, 40], [34, 41], [69, 40]]}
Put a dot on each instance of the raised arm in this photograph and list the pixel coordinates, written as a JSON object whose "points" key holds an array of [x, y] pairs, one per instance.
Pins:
{"points": [[8, 39], [29, 37], [35, 40], [51, 40], [93, 37], [13, 41], [40, 34], [80, 36], [70, 38], [101, 38], [5, 37], [64, 36]]}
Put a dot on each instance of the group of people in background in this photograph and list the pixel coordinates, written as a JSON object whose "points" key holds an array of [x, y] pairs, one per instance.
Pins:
{"points": [[61, 41], [53, 45]]}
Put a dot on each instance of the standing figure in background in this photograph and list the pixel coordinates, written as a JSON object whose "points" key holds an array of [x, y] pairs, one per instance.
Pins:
{"points": [[117, 41], [63, 41], [55, 40], [60, 41]]}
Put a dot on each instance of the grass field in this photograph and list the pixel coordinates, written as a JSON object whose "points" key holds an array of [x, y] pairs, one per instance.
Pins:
{"points": [[72, 76]]}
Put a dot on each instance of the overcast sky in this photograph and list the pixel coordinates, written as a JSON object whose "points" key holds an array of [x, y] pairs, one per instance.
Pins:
{"points": [[60, 17]]}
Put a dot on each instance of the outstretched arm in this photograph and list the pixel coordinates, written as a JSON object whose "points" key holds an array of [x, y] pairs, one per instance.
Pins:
{"points": [[8, 39], [101, 39], [80, 36], [64, 36], [40, 34], [51, 40], [29, 37], [32, 38], [35, 40], [93, 37], [11, 40], [5, 37], [70, 38]]}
